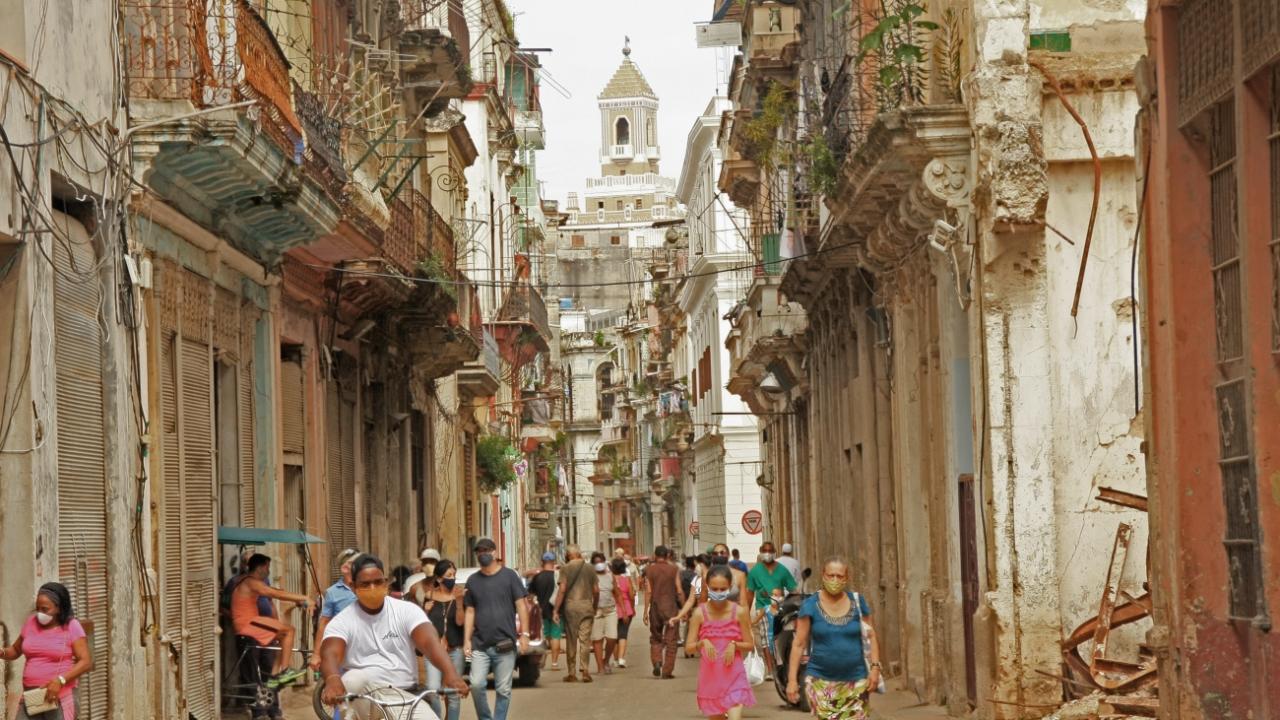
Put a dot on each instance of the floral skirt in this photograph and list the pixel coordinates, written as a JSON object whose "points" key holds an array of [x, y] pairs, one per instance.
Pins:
{"points": [[834, 700]]}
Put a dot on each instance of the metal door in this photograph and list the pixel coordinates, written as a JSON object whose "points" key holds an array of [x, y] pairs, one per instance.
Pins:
{"points": [[82, 479]]}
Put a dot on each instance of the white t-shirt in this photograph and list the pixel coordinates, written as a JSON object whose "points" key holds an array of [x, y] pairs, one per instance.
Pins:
{"points": [[381, 644]]}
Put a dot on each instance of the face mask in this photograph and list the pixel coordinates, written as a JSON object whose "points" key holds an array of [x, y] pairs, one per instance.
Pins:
{"points": [[429, 569], [719, 560], [372, 597], [486, 559], [44, 618], [448, 584], [766, 558], [834, 587], [601, 567], [718, 595]]}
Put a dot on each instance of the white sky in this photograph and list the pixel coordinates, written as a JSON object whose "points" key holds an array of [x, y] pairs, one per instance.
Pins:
{"points": [[586, 37]]}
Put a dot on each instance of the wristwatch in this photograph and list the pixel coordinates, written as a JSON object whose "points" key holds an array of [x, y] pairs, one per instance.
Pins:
{"points": [[876, 664], [62, 680]]}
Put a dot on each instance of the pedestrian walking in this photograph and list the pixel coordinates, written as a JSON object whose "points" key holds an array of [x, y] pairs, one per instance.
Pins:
{"points": [[446, 611], [688, 575], [844, 654], [788, 560], [721, 632], [626, 607], [663, 597], [736, 562], [56, 651], [576, 609], [336, 599], [543, 587], [767, 581], [604, 629], [493, 601]]}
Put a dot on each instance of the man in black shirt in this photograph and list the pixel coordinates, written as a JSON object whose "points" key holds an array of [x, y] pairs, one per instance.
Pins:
{"points": [[687, 575], [493, 601], [543, 587]]}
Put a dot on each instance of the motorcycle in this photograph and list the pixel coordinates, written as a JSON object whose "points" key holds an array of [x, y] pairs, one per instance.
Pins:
{"points": [[783, 631]]}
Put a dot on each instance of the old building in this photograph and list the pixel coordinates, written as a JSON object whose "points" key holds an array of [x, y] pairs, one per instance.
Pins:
{"points": [[1211, 285], [963, 375]]}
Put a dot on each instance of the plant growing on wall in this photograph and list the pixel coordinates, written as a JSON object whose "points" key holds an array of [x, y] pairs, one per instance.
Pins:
{"points": [[433, 268], [892, 45], [824, 169], [600, 339], [761, 131], [495, 456]]}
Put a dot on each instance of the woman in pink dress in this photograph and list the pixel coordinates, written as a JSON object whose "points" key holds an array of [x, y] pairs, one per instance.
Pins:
{"points": [[721, 631], [56, 651]]}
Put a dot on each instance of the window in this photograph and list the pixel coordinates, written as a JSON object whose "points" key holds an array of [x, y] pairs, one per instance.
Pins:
{"points": [[615, 240], [619, 205], [639, 204], [578, 241], [622, 132], [600, 205]]}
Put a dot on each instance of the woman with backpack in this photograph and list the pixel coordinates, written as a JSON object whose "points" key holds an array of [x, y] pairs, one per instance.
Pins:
{"points": [[844, 655], [626, 607]]}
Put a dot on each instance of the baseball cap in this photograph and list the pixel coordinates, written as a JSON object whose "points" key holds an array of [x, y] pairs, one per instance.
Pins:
{"points": [[430, 554], [548, 557], [485, 544], [347, 554], [787, 549]]}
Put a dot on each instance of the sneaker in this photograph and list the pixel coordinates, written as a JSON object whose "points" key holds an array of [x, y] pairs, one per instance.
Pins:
{"points": [[622, 662], [285, 678], [555, 666]]}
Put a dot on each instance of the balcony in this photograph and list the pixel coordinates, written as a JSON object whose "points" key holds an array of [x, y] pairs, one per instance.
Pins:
{"points": [[621, 152], [436, 47], [740, 180], [235, 171], [480, 378], [522, 328], [614, 432], [772, 37], [765, 336], [530, 129]]}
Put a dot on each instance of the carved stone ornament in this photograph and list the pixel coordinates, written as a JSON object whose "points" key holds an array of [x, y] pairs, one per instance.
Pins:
{"points": [[446, 120]]}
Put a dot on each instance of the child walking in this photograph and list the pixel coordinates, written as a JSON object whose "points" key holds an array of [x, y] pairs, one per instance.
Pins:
{"points": [[721, 631]]}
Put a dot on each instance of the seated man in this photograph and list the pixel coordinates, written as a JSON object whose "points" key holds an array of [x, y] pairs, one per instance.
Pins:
{"points": [[374, 641], [247, 621]]}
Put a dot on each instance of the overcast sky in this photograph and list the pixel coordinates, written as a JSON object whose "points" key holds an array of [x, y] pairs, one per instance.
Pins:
{"points": [[586, 37]]}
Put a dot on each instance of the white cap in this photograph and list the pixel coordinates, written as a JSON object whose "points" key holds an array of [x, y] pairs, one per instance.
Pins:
{"points": [[430, 554], [787, 549], [414, 579]]}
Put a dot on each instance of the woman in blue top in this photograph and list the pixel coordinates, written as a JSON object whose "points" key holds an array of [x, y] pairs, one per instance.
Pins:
{"points": [[830, 627]]}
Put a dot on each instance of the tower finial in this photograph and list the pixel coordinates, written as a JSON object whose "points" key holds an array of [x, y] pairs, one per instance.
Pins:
{"points": [[626, 48]]}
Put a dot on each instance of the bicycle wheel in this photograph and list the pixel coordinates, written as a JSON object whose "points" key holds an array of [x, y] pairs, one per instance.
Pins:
{"points": [[324, 712]]}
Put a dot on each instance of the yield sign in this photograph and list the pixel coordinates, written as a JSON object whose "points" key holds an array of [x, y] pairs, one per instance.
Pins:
{"points": [[753, 522]]}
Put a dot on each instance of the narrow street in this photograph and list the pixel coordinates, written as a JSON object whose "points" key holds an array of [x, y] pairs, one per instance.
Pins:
{"points": [[634, 693]]}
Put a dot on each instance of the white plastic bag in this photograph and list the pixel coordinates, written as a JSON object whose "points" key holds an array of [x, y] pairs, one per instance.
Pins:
{"points": [[755, 668]]}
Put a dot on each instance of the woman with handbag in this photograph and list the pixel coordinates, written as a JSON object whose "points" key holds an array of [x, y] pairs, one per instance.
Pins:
{"points": [[844, 655], [57, 654], [626, 607]]}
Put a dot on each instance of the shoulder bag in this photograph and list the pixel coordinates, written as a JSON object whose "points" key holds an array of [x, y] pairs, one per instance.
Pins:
{"points": [[866, 640]]}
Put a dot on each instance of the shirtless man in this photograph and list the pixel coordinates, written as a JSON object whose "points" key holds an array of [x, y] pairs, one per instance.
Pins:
{"points": [[263, 630]]}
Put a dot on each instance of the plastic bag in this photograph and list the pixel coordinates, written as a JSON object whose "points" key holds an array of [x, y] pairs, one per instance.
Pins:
{"points": [[755, 668]]}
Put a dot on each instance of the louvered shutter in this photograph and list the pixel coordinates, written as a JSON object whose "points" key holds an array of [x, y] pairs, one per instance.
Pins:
{"points": [[349, 423], [293, 409], [199, 513], [247, 423], [82, 491], [340, 467], [170, 480]]}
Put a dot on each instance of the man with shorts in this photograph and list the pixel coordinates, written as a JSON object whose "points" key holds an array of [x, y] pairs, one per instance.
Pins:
{"points": [[604, 629], [264, 631], [371, 648], [543, 587]]}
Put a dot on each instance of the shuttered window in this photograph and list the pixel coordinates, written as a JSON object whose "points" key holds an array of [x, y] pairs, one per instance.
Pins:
{"points": [[292, 408], [340, 471], [82, 479], [187, 489]]}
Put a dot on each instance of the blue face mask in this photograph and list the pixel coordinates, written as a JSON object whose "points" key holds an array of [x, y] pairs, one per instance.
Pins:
{"points": [[718, 595], [486, 559]]}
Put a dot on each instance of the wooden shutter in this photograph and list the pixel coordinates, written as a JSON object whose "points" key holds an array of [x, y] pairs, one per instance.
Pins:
{"points": [[340, 456], [292, 407], [247, 423], [82, 478]]}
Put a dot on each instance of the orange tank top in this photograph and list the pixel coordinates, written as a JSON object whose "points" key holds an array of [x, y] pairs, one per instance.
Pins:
{"points": [[244, 609]]}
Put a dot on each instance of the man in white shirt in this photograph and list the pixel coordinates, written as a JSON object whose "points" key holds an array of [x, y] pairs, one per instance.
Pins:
{"points": [[788, 561], [373, 640]]}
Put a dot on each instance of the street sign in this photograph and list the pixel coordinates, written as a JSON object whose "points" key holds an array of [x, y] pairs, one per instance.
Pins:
{"points": [[719, 34], [618, 535], [693, 528], [753, 522]]}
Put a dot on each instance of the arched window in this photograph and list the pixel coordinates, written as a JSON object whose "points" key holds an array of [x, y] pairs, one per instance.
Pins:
{"points": [[622, 132]]}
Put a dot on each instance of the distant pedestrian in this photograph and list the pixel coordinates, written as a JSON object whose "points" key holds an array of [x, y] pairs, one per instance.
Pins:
{"points": [[737, 564], [626, 607], [543, 587], [604, 631], [56, 650], [336, 599], [576, 609], [720, 631], [842, 671], [767, 576], [687, 576], [719, 556], [663, 597], [447, 613], [493, 599], [788, 560]]}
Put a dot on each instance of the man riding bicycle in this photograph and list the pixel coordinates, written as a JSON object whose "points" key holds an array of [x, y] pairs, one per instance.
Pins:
{"points": [[373, 641]]}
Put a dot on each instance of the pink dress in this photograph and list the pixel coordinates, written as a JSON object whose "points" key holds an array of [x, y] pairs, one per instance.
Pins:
{"points": [[722, 688]]}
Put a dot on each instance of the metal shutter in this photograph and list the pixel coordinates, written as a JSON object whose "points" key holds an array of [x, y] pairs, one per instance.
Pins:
{"points": [[340, 469], [247, 424], [82, 479], [199, 513]]}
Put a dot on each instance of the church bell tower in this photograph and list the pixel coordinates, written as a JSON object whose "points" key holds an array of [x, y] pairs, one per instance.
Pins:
{"points": [[628, 122]]}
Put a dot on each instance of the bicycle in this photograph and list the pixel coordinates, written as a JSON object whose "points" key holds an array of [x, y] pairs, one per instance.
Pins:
{"points": [[404, 707]]}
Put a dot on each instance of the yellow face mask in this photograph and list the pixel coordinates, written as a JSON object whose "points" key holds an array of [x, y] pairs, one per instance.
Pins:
{"points": [[372, 596]]}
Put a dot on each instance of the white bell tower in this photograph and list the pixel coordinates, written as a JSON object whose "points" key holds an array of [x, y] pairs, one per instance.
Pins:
{"points": [[628, 122]]}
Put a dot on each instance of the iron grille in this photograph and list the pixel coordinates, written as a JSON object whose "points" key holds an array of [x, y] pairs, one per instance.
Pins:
{"points": [[1233, 425], [1274, 141], [1259, 32], [1206, 45], [1243, 559], [1227, 298]]}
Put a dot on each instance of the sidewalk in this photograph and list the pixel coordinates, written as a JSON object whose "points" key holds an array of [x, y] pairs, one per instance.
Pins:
{"points": [[904, 705]]}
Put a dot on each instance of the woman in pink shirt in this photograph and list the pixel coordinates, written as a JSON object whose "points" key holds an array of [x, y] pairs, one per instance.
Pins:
{"points": [[56, 650]]}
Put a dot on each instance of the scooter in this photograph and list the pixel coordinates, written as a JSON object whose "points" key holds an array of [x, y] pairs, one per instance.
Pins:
{"points": [[785, 615]]}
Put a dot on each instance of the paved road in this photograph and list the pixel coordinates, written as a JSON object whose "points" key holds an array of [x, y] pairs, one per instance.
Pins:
{"points": [[628, 693]]}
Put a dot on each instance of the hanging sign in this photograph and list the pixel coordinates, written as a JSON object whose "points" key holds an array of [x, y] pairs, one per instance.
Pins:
{"points": [[753, 522]]}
